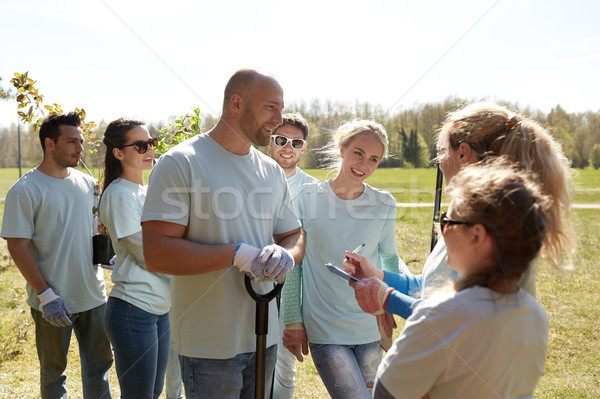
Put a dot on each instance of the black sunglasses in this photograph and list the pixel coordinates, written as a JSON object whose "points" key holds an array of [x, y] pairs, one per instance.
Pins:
{"points": [[141, 146], [446, 221], [281, 141]]}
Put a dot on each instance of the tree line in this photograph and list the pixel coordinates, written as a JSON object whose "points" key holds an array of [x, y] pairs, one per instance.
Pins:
{"points": [[412, 132]]}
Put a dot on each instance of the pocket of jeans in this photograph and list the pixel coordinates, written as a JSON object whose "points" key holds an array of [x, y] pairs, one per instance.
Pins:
{"points": [[316, 347], [108, 312]]}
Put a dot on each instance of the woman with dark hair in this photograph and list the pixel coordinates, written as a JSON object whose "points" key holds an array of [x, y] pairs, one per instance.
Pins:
{"points": [[137, 312]]}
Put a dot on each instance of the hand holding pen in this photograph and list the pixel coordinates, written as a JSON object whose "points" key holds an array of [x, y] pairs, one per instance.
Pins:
{"points": [[356, 250], [359, 266]]}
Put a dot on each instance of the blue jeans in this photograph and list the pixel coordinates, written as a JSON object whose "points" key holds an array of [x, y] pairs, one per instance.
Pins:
{"points": [[348, 371], [173, 381], [141, 343], [94, 351], [225, 378]]}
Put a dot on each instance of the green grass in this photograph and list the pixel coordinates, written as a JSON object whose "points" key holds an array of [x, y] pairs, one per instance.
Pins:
{"points": [[571, 300]]}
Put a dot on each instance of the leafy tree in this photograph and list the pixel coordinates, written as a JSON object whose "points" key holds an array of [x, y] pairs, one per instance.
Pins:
{"points": [[416, 153], [595, 156], [4, 95]]}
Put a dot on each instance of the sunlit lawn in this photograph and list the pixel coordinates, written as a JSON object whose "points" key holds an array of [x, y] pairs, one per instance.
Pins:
{"points": [[571, 301]]}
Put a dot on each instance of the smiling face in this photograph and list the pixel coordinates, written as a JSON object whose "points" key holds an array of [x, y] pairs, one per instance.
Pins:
{"points": [[67, 150], [262, 111], [130, 158], [287, 157], [360, 158]]}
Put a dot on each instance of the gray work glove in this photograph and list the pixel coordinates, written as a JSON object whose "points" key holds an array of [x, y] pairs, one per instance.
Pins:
{"points": [[278, 261], [53, 308], [269, 264]]}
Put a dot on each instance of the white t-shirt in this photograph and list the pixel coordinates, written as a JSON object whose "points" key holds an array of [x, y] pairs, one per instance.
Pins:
{"points": [[330, 312], [222, 198], [56, 215], [121, 212], [298, 179], [470, 344]]}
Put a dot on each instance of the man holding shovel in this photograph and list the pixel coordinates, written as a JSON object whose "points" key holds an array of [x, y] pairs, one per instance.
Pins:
{"points": [[216, 210]]}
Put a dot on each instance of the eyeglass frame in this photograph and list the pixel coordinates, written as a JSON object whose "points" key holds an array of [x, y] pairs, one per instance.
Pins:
{"points": [[141, 146], [446, 221], [287, 139]]}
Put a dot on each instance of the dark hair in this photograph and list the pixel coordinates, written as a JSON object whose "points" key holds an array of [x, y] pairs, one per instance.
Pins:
{"points": [[511, 206], [295, 120], [115, 136], [51, 126]]}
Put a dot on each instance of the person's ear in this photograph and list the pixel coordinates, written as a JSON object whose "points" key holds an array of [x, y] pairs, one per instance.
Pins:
{"points": [[49, 144], [466, 153], [236, 103], [118, 153], [478, 235], [304, 147]]}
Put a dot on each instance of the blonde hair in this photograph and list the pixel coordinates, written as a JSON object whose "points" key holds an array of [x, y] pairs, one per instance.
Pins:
{"points": [[346, 134], [493, 130]]}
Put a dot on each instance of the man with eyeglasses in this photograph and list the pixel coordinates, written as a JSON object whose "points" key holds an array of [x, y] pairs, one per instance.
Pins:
{"points": [[287, 145], [218, 209], [48, 227]]}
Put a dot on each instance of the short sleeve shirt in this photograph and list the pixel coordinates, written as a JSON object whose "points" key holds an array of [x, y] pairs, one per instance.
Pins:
{"points": [[56, 215]]}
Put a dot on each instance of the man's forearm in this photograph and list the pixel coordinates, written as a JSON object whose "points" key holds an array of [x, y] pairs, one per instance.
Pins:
{"points": [[178, 256], [295, 243], [26, 263]]}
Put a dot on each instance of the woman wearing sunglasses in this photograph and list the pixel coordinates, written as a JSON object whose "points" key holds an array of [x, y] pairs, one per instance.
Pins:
{"points": [[485, 337], [478, 132], [337, 215], [136, 317]]}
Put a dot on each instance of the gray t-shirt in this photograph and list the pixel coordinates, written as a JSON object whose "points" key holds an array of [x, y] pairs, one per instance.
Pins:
{"points": [[221, 198], [56, 215]]}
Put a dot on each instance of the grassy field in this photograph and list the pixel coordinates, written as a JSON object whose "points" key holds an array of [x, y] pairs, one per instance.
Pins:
{"points": [[571, 300]]}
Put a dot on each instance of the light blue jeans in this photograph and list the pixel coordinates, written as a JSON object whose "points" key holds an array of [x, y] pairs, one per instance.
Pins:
{"points": [[173, 381], [141, 342], [225, 378], [347, 371], [94, 351]]}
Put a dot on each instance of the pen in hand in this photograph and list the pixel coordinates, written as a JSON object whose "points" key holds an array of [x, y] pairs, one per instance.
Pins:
{"points": [[356, 250]]}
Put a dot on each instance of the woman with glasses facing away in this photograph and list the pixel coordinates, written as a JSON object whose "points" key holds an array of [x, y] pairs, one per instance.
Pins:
{"points": [[340, 214], [137, 312], [485, 337], [477, 132]]}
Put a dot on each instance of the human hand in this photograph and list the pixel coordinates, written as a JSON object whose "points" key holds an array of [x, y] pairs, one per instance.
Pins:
{"points": [[360, 267], [295, 340], [245, 258], [278, 261], [385, 325], [53, 309], [372, 295]]}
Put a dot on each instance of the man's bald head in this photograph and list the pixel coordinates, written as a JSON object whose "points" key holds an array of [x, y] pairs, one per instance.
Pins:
{"points": [[242, 82]]}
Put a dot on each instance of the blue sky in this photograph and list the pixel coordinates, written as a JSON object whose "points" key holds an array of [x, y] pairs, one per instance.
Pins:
{"points": [[153, 59]]}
